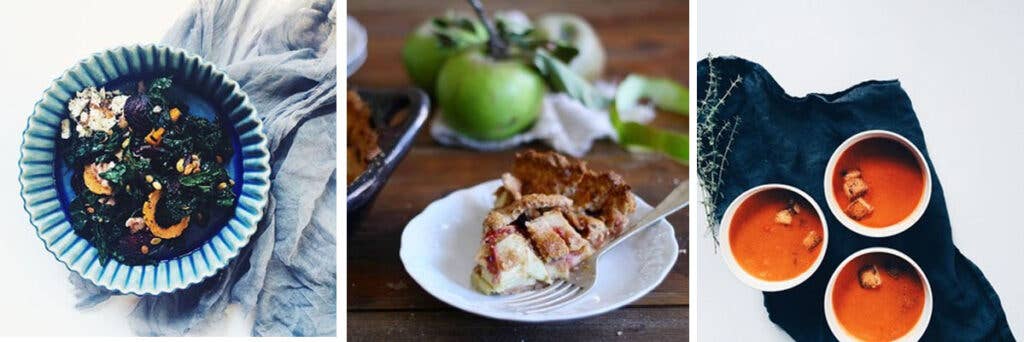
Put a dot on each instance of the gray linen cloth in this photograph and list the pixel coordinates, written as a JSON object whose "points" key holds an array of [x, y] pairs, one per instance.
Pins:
{"points": [[283, 55]]}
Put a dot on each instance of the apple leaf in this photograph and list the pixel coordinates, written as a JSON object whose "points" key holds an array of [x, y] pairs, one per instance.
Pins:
{"points": [[457, 32], [563, 79], [563, 51]]}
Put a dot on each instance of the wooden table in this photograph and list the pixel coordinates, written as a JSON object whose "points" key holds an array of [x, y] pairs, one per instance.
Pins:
{"points": [[384, 303]]}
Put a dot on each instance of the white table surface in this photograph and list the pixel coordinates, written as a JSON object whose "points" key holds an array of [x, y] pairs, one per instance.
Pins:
{"points": [[961, 64], [42, 39]]}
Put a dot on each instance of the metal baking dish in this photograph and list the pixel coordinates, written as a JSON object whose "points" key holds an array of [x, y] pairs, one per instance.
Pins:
{"points": [[397, 115]]}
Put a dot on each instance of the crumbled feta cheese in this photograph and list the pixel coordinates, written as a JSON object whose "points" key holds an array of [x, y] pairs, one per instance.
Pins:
{"points": [[117, 103], [104, 167], [157, 109], [65, 129], [96, 110], [101, 120], [76, 105], [135, 224]]}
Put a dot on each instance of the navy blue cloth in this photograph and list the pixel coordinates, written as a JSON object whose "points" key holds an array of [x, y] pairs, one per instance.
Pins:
{"points": [[789, 140]]}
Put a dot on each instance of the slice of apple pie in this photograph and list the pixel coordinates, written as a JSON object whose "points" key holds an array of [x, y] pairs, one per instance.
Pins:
{"points": [[549, 215]]}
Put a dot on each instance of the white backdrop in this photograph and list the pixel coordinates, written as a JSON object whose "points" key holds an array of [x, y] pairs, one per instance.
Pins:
{"points": [[961, 63], [40, 40]]}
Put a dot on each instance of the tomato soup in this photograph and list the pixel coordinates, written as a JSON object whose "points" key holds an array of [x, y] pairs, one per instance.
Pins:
{"points": [[885, 312], [893, 181], [770, 250]]}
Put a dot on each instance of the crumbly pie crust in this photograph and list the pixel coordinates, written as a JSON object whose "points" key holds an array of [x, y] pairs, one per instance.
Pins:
{"points": [[550, 214], [362, 139]]}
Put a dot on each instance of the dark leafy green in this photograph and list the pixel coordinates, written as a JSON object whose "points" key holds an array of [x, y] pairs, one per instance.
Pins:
{"points": [[138, 166], [158, 91], [100, 147], [130, 166], [563, 79]]}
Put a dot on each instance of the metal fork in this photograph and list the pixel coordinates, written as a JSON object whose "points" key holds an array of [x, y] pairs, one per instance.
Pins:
{"points": [[581, 280]]}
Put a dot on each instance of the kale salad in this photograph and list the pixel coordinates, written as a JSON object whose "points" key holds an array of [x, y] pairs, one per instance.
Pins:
{"points": [[147, 174]]}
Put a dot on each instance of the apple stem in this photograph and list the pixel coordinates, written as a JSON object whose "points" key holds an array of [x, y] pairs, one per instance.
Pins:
{"points": [[496, 46]]}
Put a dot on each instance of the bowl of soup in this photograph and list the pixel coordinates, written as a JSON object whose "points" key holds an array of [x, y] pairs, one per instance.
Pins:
{"points": [[878, 294], [773, 237], [877, 183]]}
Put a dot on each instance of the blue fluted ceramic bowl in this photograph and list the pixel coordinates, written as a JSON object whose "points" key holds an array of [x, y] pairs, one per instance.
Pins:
{"points": [[45, 180]]}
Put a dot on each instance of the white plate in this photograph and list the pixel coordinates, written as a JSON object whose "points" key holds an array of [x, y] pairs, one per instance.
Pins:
{"points": [[439, 246]]}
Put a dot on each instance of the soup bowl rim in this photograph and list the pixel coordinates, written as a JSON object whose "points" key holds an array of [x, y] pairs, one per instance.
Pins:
{"points": [[742, 274], [892, 229], [919, 327]]}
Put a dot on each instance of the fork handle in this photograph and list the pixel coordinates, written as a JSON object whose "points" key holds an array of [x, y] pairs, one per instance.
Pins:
{"points": [[677, 199]]}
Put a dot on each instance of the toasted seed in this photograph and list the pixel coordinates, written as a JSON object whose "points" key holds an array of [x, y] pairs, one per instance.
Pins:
{"points": [[156, 185], [231, 181], [128, 187], [222, 186], [90, 210], [144, 249], [149, 178], [219, 159], [125, 143], [155, 241]]}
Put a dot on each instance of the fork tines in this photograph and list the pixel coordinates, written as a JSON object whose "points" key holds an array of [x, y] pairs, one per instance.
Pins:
{"points": [[556, 295]]}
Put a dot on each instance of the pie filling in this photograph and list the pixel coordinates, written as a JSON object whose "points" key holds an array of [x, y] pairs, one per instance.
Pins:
{"points": [[550, 214]]}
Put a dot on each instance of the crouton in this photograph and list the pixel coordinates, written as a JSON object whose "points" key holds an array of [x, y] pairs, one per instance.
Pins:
{"points": [[850, 174], [859, 209], [812, 240], [869, 277], [784, 216], [854, 187]]}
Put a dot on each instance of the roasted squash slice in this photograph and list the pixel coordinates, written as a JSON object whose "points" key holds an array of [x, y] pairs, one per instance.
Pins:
{"points": [[93, 181], [149, 215]]}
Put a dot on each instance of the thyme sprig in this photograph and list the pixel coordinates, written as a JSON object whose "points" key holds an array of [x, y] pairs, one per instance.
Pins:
{"points": [[715, 138]]}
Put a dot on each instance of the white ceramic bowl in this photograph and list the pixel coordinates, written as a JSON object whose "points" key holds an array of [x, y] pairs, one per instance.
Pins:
{"points": [[914, 334], [852, 224], [743, 275]]}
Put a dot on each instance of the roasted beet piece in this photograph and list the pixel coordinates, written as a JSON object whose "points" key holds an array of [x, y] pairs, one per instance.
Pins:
{"points": [[130, 246], [138, 112]]}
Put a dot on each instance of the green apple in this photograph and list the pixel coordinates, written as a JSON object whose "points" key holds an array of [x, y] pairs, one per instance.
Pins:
{"points": [[575, 31], [423, 54], [488, 99]]}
